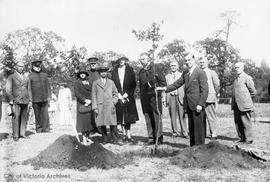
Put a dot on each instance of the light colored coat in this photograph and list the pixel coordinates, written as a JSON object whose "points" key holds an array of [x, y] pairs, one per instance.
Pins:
{"points": [[213, 85], [243, 90], [104, 99], [180, 91]]}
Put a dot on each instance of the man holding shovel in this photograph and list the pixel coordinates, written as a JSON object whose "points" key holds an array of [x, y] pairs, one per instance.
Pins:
{"points": [[151, 76]]}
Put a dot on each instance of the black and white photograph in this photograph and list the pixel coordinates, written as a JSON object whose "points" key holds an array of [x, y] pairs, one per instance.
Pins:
{"points": [[142, 90]]}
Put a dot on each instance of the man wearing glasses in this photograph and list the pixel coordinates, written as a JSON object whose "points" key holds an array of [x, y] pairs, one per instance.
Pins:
{"points": [[174, 100], [196, 92]]}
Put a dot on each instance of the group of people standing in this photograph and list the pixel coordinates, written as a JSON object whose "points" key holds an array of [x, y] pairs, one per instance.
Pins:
{"points": [[201, 88], [105, 100]]}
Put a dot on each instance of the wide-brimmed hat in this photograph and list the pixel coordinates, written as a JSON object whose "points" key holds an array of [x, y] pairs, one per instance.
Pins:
{"points": [[103, 67], [92, 60], [122, 58], [82, 70], [36, 62]]}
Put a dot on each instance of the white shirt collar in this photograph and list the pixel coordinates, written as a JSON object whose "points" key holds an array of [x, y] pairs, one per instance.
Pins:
{"points": [[192, 69]]}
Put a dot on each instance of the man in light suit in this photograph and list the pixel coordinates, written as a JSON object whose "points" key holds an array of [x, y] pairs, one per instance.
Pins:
{"points": [[18, 94], [174, 100], [211, 102], [242, 104], [196, 92]]}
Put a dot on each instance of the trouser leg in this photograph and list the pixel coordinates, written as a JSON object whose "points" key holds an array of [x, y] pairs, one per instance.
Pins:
{"points": [[37, 108], [173, 111], [247, 125], [196, 127], [238, 123], [16, 121], [182, 119], [211, 118], [114, 132], [148, 125], [23, 119], [44, 116]]}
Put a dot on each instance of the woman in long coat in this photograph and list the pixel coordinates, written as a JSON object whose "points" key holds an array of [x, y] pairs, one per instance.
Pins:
{"points": [[83, 93], [126, 110], [104, 98]]}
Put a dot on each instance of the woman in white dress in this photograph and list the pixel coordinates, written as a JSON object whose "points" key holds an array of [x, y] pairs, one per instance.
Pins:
{"points": [[65, 105]]}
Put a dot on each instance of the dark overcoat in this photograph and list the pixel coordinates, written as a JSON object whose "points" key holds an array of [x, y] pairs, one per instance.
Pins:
{"points": [[149, 79], [126, 113], [82, 92], [39, 87]]}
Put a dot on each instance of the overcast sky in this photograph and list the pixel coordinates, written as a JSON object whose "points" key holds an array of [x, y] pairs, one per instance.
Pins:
{"points": [[104, 25]]}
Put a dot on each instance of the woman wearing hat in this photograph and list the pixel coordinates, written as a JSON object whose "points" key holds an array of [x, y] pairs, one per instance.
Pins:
{"points": [[104, 98], [83, 94], [126, 110]]}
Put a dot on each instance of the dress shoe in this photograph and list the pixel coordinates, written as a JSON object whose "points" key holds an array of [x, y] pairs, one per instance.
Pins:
{"points": [[185, 136], [131, 141], [160, 140], [15, 139], [240, 141], [118, 142], [25, 137], [38, 130], [248, 142], [150, 141]]}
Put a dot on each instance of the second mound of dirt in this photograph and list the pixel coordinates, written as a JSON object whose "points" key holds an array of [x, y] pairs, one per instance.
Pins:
{"points": [[66, 152], [215, 155]]}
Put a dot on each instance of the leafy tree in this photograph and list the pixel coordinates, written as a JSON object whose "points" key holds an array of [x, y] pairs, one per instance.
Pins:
{"points": [[33, 44], [109, 56], [229, 18], [150, 34], [69, 62], [223, 57], [176, 50]]}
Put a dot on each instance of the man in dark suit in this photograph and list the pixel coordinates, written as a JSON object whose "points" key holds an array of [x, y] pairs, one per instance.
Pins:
{"points": [[151, 76], [196, 92], [17, 91], [40, 94]]}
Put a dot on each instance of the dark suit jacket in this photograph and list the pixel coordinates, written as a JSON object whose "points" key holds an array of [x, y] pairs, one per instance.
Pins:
{"points": [[196, 88], [17, 88]]}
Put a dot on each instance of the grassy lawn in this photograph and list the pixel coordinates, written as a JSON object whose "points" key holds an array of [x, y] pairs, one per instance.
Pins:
{"points": [[145, 167]]}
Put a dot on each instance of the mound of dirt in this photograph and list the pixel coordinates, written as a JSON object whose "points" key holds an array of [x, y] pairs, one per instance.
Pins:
{"points": [[67, 152], [214, 155]]}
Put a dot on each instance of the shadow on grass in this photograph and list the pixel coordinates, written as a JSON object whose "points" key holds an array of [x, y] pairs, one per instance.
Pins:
{"points": [[268, 122], [3, 136], [222, 137], [28, 133]]}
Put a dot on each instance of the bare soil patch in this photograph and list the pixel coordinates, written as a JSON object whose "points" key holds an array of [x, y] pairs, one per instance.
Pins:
{"points": [[67, 152], [215, 155]]}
